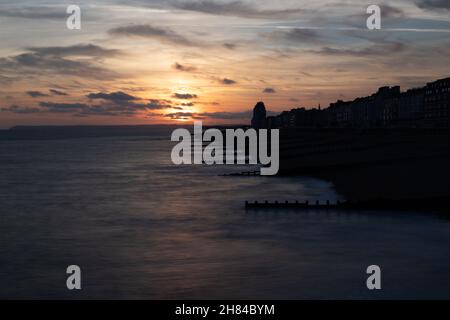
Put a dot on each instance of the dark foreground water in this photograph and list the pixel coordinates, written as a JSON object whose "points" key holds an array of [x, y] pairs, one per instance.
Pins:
{"points": [[140, 227]]}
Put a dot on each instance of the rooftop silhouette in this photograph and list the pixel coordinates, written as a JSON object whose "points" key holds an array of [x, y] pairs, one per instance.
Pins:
{"points": [[425, 107]]}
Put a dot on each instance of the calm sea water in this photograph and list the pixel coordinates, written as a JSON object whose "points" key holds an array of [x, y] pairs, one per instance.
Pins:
{"points": [[140, 227]]}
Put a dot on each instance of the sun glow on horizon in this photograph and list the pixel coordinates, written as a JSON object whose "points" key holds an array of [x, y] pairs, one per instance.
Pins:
{"points": [[189, 63]]}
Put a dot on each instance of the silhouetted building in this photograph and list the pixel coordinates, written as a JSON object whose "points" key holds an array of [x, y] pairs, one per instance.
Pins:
{"points": [[272, 122], [302, 117], [411, 108], [259, 116], [340, 113], [382, 108], [360, 112], [437, 103], [388, 107]]}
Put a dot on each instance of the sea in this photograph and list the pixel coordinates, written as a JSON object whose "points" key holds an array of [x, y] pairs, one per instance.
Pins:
{"points": [[140, 227]]}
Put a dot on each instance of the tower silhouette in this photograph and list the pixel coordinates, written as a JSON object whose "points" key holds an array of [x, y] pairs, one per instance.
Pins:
{"points": [[259, 116]]}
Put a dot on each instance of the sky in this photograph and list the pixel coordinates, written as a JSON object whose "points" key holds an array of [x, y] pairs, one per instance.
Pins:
{"points": [[172, 61]]}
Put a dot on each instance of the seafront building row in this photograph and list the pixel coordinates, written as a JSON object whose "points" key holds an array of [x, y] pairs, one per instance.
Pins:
{"points": [[427, 107]]}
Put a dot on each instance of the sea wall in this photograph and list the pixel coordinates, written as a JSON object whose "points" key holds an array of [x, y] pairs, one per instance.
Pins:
{"points": [[365, 164]]}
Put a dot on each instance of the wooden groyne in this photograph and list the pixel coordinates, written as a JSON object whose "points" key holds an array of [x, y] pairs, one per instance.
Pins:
{"points": [[242, 174], [426, 204], [290, 205]]}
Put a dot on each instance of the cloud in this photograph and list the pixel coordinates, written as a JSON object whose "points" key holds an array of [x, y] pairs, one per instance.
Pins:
{"points": [[391, 12], [35, 12], [6, 80], [20, 110], [156, 104], [230, 46], [118, 97], [125, 102], [376, 50], [184, 96], [148, 31], [227, 115], [269, 90], [85, 50], [55, 60], [107, 109], [299, 35], [236, 8], [433, 4], [220, 115], [114, 105], [99, 110], [58, 93], [183, 68], [227, 81], [388, 12], [180, 115], [109, 104], [36, 94], [64, 107]]}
